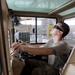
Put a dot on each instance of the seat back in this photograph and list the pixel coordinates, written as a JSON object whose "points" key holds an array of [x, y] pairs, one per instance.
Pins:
{"points": [[69, 67]]}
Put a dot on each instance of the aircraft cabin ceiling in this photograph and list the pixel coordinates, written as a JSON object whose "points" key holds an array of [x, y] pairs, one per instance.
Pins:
{"points": [[45, 6]]}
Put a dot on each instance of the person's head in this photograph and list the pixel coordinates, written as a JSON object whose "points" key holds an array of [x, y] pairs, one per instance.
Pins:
{"points": [[61, 29]]}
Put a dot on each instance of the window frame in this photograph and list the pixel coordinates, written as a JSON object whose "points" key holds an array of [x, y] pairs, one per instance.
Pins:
{"points": [[36, 25]]}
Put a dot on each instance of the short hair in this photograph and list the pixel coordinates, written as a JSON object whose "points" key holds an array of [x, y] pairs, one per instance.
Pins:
{"points": [[65, 27]]}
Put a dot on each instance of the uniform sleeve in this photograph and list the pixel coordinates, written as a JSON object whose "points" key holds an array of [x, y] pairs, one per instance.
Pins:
{"points": [[60, 49]]}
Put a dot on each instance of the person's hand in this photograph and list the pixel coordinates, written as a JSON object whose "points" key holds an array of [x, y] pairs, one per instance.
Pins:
{"points": [[16, 46], [21, 42]]}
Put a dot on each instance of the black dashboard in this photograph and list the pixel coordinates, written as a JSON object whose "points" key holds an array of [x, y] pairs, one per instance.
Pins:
{"points": [[22, 56]]}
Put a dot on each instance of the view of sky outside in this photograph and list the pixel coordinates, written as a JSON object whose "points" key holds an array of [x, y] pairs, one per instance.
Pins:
{"points": [[70, 21]]}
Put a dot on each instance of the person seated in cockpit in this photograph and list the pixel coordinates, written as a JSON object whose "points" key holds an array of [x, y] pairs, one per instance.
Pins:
{"points": [[56, 49]]}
